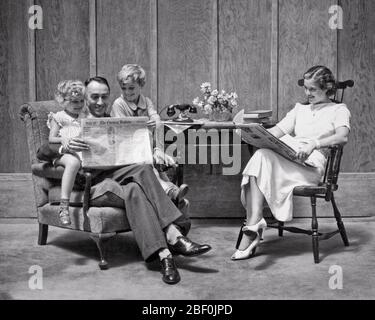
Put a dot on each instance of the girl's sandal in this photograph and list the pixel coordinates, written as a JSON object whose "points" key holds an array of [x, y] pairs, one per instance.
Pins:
{"points": [[64, 216]]}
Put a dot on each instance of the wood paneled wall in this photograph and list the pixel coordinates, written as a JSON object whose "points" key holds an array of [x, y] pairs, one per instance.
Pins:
{"points": [[245, 41], [305, 39], [259, 48], [124, 35], [356, 60], [187, 48], [14, 68], [62, 46]]}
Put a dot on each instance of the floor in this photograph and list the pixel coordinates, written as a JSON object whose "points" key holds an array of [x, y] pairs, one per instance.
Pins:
{"points": [[283, 268]]}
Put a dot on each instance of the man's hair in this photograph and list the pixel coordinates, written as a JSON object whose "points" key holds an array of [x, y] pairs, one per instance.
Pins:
{"points": [[97, 79]]}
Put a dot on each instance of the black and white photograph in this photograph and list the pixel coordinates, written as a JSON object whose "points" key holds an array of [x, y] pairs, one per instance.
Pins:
{"points": [[248, 174]]}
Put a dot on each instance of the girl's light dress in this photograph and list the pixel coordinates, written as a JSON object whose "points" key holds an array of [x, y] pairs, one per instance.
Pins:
{"points": [[276, 176], [70, 127]]}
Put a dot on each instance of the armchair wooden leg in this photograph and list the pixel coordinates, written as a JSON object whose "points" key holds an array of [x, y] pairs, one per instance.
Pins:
{"points": [[281, 231], [340, 223], [43, 234], [101, 240], [314, 228]]}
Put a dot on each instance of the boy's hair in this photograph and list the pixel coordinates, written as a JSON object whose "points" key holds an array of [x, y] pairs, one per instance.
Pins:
{"points": [[97, 79], [72, 90], [323, 77], [133, 72]]}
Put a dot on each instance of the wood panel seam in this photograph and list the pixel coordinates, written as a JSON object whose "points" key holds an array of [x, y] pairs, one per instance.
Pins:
{"points": [[275, 59], [154, 67], [93, 38], [31, 59]]}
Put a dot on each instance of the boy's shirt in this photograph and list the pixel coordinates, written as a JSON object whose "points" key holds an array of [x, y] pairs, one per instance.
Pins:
{"points": [[145, 108]]}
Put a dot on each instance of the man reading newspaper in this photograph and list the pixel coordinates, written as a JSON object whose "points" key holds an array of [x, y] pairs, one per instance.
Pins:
{"points": [[158, 226]]}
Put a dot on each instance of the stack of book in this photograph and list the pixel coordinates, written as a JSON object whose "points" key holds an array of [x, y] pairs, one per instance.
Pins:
{"points": [[257, 116]]}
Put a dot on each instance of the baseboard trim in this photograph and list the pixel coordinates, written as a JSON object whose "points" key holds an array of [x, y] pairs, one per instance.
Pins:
{"points": [[17, 196]]}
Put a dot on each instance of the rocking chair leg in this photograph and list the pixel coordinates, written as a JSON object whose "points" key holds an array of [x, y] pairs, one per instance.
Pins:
{"points": [[314, 228], [340, 223], [281, 231], [43, 234], [101, 240]]}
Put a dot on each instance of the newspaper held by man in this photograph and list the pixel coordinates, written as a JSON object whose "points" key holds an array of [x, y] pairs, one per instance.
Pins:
{"points": [[116, 142], [287, 146]]}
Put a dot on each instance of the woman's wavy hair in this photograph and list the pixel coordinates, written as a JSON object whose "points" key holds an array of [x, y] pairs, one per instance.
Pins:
{"points": [[69, 90], [323, 77], [133, 72]]}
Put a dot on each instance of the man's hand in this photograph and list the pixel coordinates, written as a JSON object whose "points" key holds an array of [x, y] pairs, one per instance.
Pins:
{"points": [[154, 121], [306, 149], [76, 145], [161, 158]]}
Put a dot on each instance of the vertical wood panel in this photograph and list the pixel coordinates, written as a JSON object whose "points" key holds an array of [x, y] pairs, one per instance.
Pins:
{"points": [[62, 47], [305, 40], [245, 51], [186, 49], [356, 61], [5, 141], [274, 86], [31, 60], [14, 89], [123, 36], [153, 74], [92, 35]]}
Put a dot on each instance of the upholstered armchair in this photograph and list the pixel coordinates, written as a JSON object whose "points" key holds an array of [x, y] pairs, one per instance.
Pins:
{"points": [[102, 217]]}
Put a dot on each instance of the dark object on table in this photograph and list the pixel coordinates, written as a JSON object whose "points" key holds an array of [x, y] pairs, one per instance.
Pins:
{"points": [[184, 109]]}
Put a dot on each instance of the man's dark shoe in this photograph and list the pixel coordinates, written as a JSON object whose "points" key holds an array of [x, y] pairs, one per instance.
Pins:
{"points": [[188, 248], [169, 271]]}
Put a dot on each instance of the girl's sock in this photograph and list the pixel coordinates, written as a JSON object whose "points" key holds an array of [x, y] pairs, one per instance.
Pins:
{"points": [[64, 212], [64, 203]]}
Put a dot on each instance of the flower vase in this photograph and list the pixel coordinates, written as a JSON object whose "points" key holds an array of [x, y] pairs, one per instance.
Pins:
{"points": [[220, 116]]}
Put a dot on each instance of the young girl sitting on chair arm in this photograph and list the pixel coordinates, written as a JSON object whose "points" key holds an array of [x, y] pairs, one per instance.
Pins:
{"points": [[65, 125]]}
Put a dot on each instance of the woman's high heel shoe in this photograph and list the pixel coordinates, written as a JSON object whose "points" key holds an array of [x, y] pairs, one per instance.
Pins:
{"points": [[249, 230]]}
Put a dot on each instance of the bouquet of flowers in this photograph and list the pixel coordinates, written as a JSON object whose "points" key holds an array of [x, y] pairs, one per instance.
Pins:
{"points": [[213, 101]]}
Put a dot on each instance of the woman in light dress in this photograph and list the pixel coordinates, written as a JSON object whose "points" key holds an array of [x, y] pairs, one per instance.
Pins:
{"points": [[316, 124]]}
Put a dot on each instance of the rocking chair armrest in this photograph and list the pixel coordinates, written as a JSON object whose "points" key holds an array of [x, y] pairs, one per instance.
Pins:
{"points": [[86, 192], [335, 147]]}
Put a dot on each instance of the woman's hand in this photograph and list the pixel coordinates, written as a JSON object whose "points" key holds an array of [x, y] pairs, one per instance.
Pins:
{"points": [[306, 149], [161, 158]]}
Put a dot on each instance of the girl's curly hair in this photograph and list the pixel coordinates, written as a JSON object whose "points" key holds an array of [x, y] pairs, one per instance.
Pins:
{"points": [[69, 90]]}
